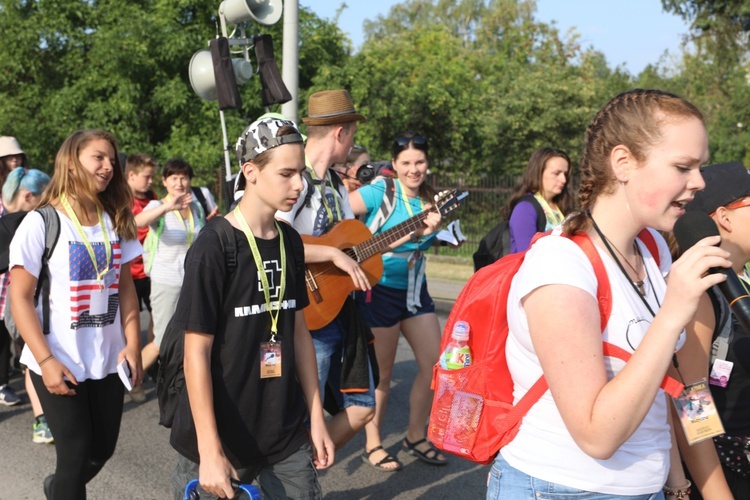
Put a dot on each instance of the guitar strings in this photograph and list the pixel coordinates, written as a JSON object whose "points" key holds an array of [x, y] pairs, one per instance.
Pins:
{"points": [[324, 271]]}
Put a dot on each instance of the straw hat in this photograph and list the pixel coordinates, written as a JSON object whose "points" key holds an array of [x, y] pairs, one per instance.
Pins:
{"points": [[9, 146], [330, 107]]}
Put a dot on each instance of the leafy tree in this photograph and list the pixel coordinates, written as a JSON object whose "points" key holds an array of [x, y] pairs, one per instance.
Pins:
{"points": [[123, 66], [713, 74], [483, 80]]}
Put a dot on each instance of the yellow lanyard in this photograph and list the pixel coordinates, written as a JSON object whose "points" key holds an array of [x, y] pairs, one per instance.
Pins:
{"points": [[406, 200], [261, 270], [329, 212], [554, 217], [86, 242], [190, 226]]}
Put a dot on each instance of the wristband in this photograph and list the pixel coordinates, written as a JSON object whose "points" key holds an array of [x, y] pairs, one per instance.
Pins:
{"points": [[679, 492], [46, 359]]}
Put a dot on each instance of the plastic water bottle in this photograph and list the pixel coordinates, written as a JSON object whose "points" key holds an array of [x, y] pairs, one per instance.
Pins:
{"points": [[457, 354]]}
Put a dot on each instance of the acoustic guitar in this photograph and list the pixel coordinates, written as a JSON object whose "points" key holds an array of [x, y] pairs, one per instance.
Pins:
{"points": [[328, 286]]}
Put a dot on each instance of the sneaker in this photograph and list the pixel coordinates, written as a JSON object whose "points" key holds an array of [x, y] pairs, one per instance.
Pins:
{"points": [[8, 396], [42, 434], [138, 395]]}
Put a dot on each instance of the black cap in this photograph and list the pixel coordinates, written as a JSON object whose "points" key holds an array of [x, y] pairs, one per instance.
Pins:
{"points": [[725, 183]]}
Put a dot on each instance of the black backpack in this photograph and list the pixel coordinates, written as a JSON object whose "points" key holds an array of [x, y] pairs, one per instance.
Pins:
{"points": [[170, 380], [8, 225], [496, 243]]}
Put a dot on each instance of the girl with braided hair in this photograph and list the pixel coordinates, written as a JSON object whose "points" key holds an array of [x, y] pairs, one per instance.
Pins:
{"points": [[602, 430]]}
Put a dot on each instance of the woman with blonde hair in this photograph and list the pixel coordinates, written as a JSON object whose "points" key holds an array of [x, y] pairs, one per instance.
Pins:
{"points": [[93, 318]]}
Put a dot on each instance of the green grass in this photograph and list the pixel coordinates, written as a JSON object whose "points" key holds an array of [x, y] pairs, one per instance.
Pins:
{"points": [[449, 268]]}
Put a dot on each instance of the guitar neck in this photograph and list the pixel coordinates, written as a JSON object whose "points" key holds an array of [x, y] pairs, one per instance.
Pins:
{"points": [[380, 243]]}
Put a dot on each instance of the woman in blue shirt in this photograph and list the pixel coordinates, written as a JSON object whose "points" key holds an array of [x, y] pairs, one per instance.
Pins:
{"points": [[400, 301]]}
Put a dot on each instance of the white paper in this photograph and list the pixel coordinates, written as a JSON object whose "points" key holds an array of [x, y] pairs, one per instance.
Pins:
{"points": [[99, 302], [123, 370], [452, 234]]}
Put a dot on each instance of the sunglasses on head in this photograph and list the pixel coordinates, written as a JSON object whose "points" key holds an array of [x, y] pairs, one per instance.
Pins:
{"points": [[403, 141]]}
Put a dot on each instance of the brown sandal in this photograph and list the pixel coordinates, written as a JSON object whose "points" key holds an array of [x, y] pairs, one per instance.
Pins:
{"points": [[387, 460]]}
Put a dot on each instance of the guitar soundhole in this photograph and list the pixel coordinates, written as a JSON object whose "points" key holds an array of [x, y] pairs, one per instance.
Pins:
{"points": [[350, 253]]}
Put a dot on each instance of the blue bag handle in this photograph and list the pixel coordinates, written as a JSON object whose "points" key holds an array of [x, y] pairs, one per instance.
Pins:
{"points": [[191, 490]]}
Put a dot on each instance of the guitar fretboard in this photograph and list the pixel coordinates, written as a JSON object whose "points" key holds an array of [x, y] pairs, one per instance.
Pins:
{"points": [[380, 243]]}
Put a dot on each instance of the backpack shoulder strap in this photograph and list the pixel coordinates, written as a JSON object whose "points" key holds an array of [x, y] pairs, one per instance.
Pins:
{"points": [[198, 193], [648, 239], [308, 191], [51, 228], [335, 179], [387, 206], [224, 229], [541, 219], [52, 234], [603, 290]]}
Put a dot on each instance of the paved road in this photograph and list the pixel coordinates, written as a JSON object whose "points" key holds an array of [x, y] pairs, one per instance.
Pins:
{"points": [[144, 460]]}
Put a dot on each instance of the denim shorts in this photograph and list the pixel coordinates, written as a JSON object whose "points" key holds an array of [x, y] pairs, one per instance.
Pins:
{"points": [[387, 306], [294, 477], [505, 482], [329, 352]]}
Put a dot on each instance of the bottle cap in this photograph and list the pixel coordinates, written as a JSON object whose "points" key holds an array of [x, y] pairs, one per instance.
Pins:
{"points": [[460, 330]]}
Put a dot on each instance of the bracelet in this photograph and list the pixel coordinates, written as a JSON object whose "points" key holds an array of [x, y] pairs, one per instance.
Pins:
{"points": [[46, 359], [679, 492]]}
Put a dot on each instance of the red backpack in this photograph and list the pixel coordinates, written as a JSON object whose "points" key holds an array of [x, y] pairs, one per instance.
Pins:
{"points": [[472, 414]]}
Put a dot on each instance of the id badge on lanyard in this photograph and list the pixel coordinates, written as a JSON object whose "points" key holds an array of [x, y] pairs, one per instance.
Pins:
{"points": [[697, 413], [99, 303]]}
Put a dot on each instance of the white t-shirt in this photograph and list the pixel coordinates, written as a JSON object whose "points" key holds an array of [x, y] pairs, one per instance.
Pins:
{"points": [[88, 345], [168, 267], [543, 447], [314, 220]]}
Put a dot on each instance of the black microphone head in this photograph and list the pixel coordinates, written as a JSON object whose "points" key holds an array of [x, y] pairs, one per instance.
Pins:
{"points": [[693, 227]]}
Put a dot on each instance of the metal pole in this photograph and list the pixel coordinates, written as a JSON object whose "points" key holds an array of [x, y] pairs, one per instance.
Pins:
{"points": [[228, 193], [290, 63]]}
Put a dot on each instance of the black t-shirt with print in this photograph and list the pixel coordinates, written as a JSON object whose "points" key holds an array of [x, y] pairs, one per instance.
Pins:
{"points": [[260, 421]]}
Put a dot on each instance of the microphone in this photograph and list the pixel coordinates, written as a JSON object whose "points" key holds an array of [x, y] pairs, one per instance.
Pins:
{"points": [[693, 227]]}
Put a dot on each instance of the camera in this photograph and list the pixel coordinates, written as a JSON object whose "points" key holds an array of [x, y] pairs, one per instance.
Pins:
{"points": [[369, 171], [365, 173]]}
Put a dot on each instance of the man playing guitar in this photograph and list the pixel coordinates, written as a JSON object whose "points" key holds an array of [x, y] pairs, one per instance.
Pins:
{"points": [[331, 125]]}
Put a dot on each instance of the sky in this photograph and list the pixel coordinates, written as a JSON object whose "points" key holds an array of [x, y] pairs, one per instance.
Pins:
{"points": [[632, 33]]}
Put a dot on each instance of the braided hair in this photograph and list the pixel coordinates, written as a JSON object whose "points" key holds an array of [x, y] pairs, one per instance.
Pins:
{"points": [[633, 119]]}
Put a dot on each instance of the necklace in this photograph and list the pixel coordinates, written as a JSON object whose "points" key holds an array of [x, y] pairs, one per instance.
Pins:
{"points": [[639, 285], [638, 282]]}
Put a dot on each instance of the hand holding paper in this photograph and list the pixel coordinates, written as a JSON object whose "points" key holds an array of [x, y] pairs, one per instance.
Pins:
{"points": [[123, 370]]}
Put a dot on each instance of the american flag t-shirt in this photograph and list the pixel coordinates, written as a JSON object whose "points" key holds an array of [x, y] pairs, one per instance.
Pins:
{"points": [[83, 280]]}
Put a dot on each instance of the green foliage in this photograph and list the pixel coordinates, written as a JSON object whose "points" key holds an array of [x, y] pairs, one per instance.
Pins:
{"points": [[483, 80], [123, 67]]}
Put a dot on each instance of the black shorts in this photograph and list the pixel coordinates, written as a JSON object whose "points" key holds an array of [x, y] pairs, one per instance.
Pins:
{"points": [[143, 290], [387, 306]]}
